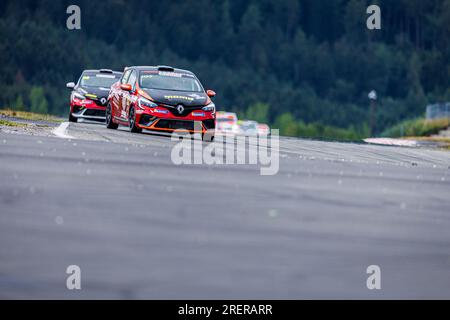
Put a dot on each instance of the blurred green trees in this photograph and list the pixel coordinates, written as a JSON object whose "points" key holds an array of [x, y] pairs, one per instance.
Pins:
{"points": [[38, 102], [18, 104], [258, 112], [289, 126]]}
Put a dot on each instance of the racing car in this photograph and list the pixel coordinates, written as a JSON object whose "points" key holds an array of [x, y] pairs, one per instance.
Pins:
{"points": [[226, 122], [263, 129], [90, 94], [161, 98], [248, 128]]}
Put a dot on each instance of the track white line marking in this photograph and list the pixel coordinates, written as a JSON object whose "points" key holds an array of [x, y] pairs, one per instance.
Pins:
{"points": [[61, 131]]}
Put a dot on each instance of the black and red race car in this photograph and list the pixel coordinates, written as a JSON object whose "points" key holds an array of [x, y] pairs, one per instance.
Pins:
{"points": [[90, 94], [161, 98]]}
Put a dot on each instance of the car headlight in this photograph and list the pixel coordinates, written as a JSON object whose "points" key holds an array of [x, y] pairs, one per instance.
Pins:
{"points": [[210, 107], [146, 103], [76, 95]]}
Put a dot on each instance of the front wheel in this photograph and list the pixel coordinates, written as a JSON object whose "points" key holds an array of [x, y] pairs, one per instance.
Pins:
{"points": [[208, 136], [72, 118], [132, 122], [109, 121]]}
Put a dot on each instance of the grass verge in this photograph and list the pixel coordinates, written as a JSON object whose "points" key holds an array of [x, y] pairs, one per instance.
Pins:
{"points": [[417, 128], [30, 116], [9, 123]]}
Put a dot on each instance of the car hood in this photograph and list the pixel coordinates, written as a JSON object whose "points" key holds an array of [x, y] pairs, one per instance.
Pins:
{"points": [[173, 98]]}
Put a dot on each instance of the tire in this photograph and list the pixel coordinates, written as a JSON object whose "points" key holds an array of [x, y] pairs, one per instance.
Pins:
{"points": [[208, 136], [72, 118], [132, 122], [109, 121]]}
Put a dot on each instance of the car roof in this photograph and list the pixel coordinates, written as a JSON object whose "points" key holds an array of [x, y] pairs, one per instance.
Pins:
{"points": [[102, 71], [162, 68]]}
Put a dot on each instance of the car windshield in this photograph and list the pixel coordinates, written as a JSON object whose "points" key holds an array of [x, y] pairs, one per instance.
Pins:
{"points": [[169, 81], [248, 126], [98, 80]]}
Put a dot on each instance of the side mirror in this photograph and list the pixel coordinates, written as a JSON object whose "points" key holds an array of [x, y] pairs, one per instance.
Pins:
{"points": [[126, 86], [210, 93], [70, 85]]}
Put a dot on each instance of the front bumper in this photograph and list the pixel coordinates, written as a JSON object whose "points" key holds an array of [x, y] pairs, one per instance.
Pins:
{"points": [[87, 109], [158, 119]]}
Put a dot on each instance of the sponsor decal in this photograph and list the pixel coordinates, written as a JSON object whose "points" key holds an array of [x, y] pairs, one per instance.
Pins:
{"points": [[198, 114], [151, 71], [109, 76], [179, 98], [161, 111], [170, 74], [196, 96]]}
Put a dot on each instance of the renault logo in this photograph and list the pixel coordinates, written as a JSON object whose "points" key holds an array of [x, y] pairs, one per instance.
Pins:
{"points": [[180, 109], [103, 100]]}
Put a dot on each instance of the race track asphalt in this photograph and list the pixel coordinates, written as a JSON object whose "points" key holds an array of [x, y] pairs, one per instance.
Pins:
{"points": [[140, 226]]}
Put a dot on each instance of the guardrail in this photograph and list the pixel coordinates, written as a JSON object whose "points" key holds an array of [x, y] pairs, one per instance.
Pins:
{"points": [[438, 110]]}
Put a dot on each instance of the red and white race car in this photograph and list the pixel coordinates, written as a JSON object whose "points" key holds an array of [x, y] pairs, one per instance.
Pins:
{"points": [[263, 129], [226, 122]]}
